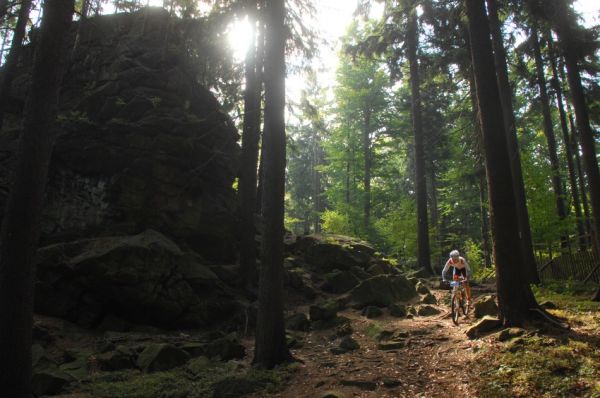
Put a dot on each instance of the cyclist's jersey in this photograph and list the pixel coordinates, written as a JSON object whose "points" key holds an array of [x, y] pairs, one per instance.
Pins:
{"points": [[459, 267]]}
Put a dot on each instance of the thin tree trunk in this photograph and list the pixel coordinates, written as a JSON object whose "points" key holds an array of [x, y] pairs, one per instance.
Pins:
{"points": [[512, 143], [10, 67], [568, 146], [20, 226], [271, 348], [581, 178], [82, 20], [549, 133], [412, 40], [318, 207], [3, 9], [514, 294], [247, 175], [367, 171]]}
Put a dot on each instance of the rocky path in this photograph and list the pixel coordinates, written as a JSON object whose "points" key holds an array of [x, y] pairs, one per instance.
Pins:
{"points": [[418, 357]]}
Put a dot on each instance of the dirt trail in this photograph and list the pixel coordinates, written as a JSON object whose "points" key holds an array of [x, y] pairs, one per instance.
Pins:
{"points": [[433, 363]]}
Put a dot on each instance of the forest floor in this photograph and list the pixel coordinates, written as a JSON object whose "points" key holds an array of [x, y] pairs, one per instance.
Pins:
{"points": [[426, 356]]}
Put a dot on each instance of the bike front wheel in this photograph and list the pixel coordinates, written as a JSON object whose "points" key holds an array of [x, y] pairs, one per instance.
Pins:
{"points": [[454, 307]]}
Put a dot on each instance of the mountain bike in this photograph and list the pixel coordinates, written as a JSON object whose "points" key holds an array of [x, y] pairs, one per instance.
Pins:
{"points": [[458, 300]]}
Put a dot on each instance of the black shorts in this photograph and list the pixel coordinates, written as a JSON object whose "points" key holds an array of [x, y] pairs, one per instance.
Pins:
{"points": [[459, 271]]}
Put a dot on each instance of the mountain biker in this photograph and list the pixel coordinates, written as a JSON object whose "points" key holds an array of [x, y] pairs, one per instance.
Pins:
{"points": [[460, 267]]}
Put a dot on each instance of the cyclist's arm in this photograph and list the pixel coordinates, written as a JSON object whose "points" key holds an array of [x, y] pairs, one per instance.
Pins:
{"points": [[468, 269], [445, 269]]}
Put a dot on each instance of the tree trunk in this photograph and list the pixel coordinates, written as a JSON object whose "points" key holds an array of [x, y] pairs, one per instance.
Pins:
{"points": [[247, 174], [412, 41], [317, 194], [485, 228], [514, 294], [3, 9], [549, 133], [581, 178], [568, 146], [271, 348], [513, 144], [20, 226], [12, 59], [367, 172], [562, 21], [82, 19]]}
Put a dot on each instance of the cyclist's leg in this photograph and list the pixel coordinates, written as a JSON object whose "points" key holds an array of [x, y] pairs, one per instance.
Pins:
{"points": [[468, 289]]}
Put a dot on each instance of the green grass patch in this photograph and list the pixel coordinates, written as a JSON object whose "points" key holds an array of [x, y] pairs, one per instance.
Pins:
{"points": [[194, 380], [539, 365], [373, 330]]}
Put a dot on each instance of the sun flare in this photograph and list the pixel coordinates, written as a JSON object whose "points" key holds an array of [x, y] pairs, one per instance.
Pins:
{"points": [[239, 36]]}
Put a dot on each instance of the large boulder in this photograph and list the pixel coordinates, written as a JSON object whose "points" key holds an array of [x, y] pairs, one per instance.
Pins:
{"points": [[383, 290], [144, 278], [339, 282], [485, 325], [486, 306], [161, 357], [331, 252], [141, 144]]}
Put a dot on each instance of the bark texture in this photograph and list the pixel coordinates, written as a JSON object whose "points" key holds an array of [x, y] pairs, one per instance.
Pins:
{"points": [[20, 227], [514, 294], [271, 348]]}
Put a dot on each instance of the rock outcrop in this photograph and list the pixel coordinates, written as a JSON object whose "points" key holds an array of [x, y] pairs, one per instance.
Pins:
{"points": [[141, 143]]}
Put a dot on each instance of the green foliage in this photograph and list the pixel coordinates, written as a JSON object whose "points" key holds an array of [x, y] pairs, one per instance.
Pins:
{"points": [[336, 223]]}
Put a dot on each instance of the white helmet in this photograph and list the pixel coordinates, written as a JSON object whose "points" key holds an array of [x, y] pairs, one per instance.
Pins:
{"points": [[454, 253]]}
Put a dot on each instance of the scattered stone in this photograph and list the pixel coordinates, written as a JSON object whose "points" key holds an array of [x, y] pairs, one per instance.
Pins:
{"points": [[372, 312], [298, 321], [516, 345], [382, 290], [332, 394], [349, 344], [413, 280], [429, 299], [49, 382], [486, 306], [362, 384], [411, 310], [161, 357], [344, 329], [338, 321], [194, 349], [487, 324], [225, 348], [293, 279], [392, 345], [391, 383], [427, 310], [339, 282], [393, 335], [510, 333], [422, 288], [121, 358], [397, 310], [294, 341], [324, 311], [234, 386], [548, 305]]}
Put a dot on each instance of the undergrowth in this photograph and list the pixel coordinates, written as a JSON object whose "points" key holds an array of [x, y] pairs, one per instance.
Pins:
{"points": [[549, 364], [196, 379]]}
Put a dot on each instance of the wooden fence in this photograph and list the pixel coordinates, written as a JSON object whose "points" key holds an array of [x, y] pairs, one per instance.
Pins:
{"points": [[580, 266]]}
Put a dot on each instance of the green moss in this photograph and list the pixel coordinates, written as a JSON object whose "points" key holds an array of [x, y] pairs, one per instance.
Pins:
{"points": [[373, 330], [195, 380], [565, 365]]}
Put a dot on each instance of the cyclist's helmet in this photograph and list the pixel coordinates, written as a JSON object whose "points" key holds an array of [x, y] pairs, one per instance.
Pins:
{"points": [[454, 254]]}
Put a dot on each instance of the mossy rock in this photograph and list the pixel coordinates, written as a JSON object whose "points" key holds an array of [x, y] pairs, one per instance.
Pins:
{"points": [[298, 322], [486, 306], [382, 291], [427, 310], [429, 299], [372, 312], [49, 382], [349, 344], [398, 310], [422, 288], [339, 282], [194, 349], [332, 394], [485, 325], [510, 333], [161, 357], [323, 311], [234, 387], [336, 322], [225, 348]]}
